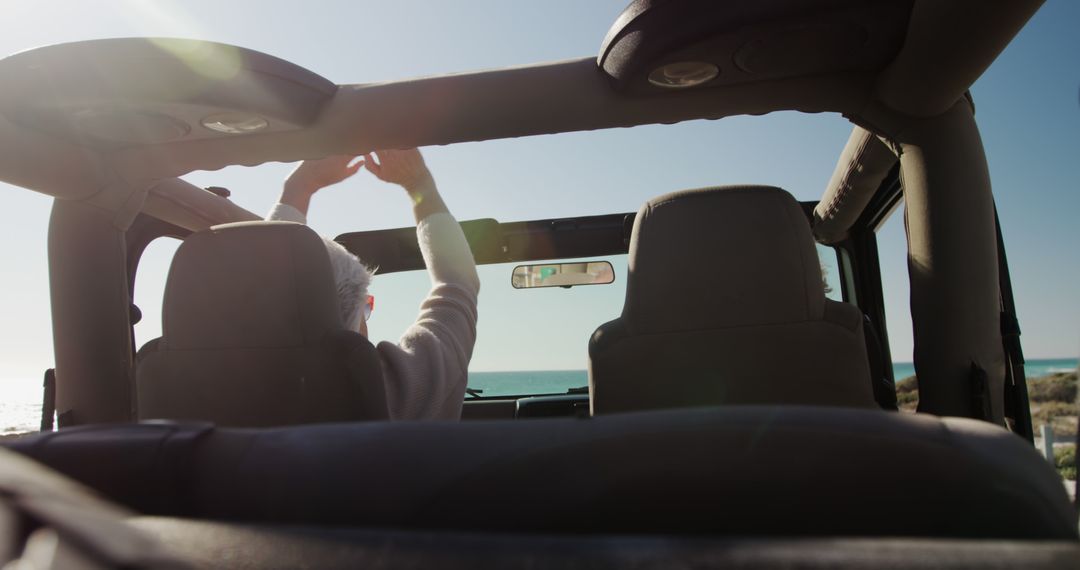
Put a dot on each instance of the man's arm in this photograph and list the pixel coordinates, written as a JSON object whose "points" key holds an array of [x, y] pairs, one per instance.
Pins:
{"points": [[427, 369], [446, 253]]}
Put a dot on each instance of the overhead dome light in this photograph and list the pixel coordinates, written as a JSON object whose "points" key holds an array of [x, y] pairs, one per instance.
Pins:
{"points": [[683, 74], [235, 123]]}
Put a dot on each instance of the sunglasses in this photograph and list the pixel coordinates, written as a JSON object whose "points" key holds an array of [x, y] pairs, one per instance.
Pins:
{"points": [[369, 305]]}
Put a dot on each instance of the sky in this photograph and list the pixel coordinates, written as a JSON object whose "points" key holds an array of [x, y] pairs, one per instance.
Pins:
{"points": [[1027, 110]]}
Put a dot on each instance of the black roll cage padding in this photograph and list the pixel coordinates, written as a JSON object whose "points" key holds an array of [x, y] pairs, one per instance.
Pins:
{"points": [[863, 247]]}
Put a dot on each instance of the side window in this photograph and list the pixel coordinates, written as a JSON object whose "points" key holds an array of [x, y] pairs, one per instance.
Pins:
{"points": [[830, 272], [150, 279]]}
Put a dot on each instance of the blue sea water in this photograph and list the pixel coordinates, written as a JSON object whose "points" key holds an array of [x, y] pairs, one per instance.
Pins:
{"points": [[518, 383], [559, 381], [20, 399]]}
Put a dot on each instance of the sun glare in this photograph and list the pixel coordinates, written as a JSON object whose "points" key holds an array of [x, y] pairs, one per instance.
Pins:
{"points": [[213, 61], [210, 61]]}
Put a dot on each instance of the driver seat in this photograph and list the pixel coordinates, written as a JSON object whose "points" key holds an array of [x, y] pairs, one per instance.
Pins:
{"points": [[252, 335], [725, 305]]}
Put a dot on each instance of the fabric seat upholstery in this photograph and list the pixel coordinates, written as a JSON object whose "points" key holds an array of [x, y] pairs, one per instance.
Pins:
{"points": [[725, 304], [252, 335]]}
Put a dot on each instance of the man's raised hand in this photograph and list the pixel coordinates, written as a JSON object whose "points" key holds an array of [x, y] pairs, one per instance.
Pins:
{"points": [[314, 175], [405, 168]]}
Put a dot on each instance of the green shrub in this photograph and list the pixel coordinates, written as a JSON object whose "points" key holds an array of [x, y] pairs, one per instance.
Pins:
{"points": [[1053, 399], [907, 394], [1046, 412], [907, 399], [907, 385], [1065, 461], [1061, 417], [1057, 387]]}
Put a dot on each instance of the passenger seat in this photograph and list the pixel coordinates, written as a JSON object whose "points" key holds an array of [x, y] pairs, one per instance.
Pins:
{"points": [[252, 335], [725, 305]]}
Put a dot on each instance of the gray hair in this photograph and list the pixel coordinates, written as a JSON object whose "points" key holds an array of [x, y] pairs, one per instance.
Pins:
{"points": [[352, 279]]}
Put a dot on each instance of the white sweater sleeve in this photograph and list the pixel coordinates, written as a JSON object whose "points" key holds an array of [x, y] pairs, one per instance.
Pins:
{"points": [[285, 213], [427, 370]]}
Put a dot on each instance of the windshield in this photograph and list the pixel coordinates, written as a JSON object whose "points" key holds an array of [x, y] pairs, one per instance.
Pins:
{"points": [[529, 341]]}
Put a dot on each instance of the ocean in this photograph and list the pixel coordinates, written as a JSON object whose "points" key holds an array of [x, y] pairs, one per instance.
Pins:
{"points": [[559, 381], [20, 399]]}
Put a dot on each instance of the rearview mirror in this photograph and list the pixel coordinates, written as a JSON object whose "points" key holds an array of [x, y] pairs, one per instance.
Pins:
{"points": [[563, 275]]}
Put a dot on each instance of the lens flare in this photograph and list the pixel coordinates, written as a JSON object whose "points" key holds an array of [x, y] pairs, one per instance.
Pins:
{"points": [[212, 61], [148, 17]]}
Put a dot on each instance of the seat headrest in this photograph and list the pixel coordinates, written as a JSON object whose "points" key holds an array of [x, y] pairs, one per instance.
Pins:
{"points": [[250, 285], [721, 257]]}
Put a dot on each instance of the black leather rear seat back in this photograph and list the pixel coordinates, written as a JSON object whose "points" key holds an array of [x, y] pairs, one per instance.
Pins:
{"points": [[725, 305], [747, 470], [252, 335]]}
